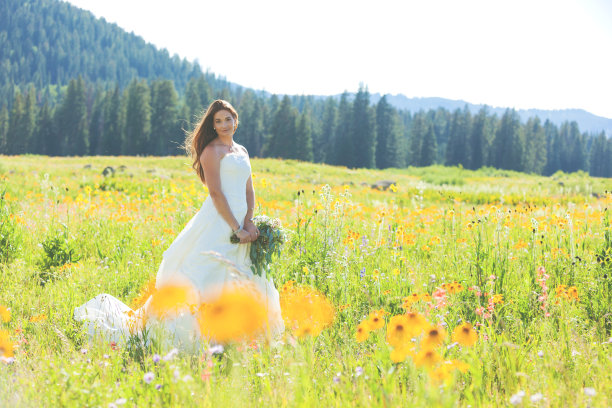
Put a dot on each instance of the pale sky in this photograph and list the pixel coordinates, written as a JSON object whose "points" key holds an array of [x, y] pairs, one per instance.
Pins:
{"points": [[544, 54]]}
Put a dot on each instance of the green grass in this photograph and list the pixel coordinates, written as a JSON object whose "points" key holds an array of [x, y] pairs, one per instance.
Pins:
{"points": [[458, 225]]}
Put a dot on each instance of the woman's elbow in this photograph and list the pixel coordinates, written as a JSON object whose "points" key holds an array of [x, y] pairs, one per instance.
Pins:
{"points": [[215, 194]]}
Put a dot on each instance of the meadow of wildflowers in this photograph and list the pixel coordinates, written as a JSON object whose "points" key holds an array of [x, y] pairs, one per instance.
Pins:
{"points": [[449, 288]]}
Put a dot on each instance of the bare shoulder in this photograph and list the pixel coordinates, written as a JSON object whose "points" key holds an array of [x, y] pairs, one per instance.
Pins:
{"points": [[242, 148], [211, 153]]}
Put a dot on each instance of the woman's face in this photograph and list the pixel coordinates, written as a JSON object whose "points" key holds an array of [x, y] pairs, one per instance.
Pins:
{"points": [[224, 123]]}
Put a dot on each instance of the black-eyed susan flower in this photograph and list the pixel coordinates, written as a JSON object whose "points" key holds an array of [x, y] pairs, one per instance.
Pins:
{"points": [[363, 331], [572, 293], [376, 319], [459, 365], [307, 308], [38, 318], [561, 290], [399, 354], [5, 314], [497, 299], [454, 287], [307, 329], [465, 335], [147, 291], [409, 300], [434, 336], [399, 332], [441, 373], [6, 346], [416, 323], [238, 314], [170, 299], [427, 358]]}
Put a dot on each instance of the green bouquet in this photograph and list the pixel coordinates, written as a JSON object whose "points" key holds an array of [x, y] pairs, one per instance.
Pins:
{"points": [[271, 238]]}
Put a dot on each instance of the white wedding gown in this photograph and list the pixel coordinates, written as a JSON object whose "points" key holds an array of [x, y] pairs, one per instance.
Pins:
{"points": [[201, 256]]}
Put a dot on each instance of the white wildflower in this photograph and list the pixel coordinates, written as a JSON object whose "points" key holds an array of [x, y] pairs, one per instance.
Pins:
{"points": [[148, 377]]}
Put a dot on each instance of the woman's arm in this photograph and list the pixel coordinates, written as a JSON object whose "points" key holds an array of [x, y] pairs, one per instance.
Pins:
{"points": [[210, 161], [250, 199]]}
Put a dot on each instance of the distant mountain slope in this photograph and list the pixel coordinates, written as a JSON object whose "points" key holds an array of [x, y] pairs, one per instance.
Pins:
{"points": [[586, 121], [49, 42]]}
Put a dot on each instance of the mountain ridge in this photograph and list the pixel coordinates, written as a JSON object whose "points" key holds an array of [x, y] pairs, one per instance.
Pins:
{"points": [[587, 121], [122, 65]]}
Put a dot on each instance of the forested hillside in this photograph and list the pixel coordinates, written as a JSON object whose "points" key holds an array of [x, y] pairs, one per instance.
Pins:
{"points": [[72, 84]]}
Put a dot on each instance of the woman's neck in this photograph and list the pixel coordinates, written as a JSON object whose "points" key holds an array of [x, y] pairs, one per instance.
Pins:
{"points": [[226, 140]]}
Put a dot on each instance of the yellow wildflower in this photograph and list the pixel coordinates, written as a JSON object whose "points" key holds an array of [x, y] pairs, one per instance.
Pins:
{"points": [[172, 298], [362, 332], [302, 306], [465, 335], [434, 336], [5, 314], [399, 332], [6, 346], [239, 313], [426, 358], [376, 319], [399, 354]]}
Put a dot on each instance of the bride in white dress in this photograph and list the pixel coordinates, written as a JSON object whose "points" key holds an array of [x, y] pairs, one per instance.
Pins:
{"points": [[201, 256]]}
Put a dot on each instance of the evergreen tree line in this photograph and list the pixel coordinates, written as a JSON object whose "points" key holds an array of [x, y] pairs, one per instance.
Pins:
{"points": [[151, 118], [50, 42]]}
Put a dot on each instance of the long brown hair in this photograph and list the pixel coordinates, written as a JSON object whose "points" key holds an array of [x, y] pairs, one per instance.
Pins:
{"points": [[204, 133]]}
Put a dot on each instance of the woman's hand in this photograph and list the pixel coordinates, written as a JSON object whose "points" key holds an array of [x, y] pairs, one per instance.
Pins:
{"points": [[244, 236], [252, 229]]}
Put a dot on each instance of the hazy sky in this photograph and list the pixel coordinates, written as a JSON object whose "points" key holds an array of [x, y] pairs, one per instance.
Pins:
{"points": [[542, 54]]}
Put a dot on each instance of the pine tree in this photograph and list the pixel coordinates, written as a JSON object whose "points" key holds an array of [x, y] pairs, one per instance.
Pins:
{"points": [[96, 124], [4, 121], [384, 125], [395, 142], [553, 148], [344, 149], [283, 133], [508, 144], [607, 159], [71, 119], [166, 135], [441, 124], [323, 145], [598, 156], [112, 139], [251, 130], [303, 138], [405, 124], [137, 131], [417, 134], [45, 130], [389, 152], [428, 147], [29, 122], [364, 130], [458, 148], [15, 143], [535, 151], [21, 124], [478, 139], [198, 96]]}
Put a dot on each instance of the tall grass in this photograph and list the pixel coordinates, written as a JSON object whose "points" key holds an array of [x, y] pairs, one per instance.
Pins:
{"points": [[365, 249]]}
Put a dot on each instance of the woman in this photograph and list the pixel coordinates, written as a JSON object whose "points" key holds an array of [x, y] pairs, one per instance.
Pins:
{"points": [[202, 255]]}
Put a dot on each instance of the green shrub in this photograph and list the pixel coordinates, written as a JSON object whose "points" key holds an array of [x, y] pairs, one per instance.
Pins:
{"points": [[58, 251]]}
